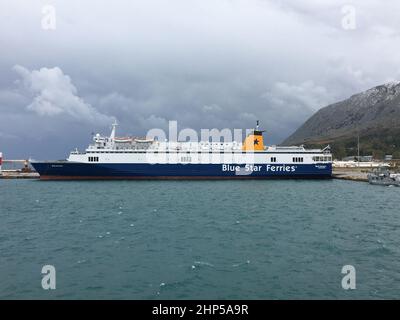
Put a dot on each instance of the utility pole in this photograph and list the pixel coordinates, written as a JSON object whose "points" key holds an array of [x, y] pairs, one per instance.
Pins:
{"points": [[358, 148]]}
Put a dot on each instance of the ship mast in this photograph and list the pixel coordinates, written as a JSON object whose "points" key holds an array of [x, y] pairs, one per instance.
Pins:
{"points": [[114, 125]]}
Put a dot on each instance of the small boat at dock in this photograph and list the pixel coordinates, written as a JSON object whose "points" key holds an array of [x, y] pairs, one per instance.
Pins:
{"points": [[383, 177]]}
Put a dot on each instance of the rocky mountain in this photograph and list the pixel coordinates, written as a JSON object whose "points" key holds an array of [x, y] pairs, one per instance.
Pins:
{"points": [[374, 115]]}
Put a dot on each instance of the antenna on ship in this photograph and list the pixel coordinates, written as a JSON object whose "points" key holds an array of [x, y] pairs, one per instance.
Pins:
{"points": [[114, 125], [257, 129]]}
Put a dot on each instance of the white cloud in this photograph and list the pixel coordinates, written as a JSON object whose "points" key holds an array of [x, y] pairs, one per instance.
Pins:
{"points": [[54, 94]]}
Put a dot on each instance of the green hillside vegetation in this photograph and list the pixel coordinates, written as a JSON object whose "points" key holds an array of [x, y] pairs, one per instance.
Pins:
{"points": [[377, 143]]}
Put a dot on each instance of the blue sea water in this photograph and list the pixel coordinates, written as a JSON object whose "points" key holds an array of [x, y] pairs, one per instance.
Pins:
{"points": [[281, 239]]}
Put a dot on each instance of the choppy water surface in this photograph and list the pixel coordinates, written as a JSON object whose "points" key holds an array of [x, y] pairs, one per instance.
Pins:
{"points": [[199, 239]]}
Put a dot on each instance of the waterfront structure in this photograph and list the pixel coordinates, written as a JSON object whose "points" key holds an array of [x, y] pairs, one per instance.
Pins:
{"points": [[112, 157]]}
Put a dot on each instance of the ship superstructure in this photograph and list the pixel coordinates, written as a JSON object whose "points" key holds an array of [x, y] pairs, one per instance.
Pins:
{"points": [[112, 157]]}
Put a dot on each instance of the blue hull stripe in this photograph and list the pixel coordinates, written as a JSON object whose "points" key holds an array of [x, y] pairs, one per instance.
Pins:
{"points": [[71, 170]]}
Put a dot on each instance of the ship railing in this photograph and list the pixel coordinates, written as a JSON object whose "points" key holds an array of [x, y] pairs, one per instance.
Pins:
{"points": [[77, 153]]}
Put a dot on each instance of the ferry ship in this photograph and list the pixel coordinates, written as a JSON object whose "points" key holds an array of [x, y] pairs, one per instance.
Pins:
{"points": [[112, 157]]}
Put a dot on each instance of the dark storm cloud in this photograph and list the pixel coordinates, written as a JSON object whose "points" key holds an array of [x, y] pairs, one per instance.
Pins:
{"points": [[205, 63]]}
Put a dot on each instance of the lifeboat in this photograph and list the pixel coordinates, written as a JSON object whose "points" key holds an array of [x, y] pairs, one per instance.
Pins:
{"points": [[144, 140], [123, 139]]}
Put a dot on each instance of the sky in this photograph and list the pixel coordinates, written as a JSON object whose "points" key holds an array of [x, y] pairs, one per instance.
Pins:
{"points": [[70, 68]]}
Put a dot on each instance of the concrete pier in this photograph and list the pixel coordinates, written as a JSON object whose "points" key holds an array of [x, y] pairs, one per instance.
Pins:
{"points": [[24, 171], [353, 174], [17, 174]]}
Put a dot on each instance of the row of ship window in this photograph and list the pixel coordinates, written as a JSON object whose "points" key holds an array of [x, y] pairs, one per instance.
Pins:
{"points": [[273, 159], [324, 158]]}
